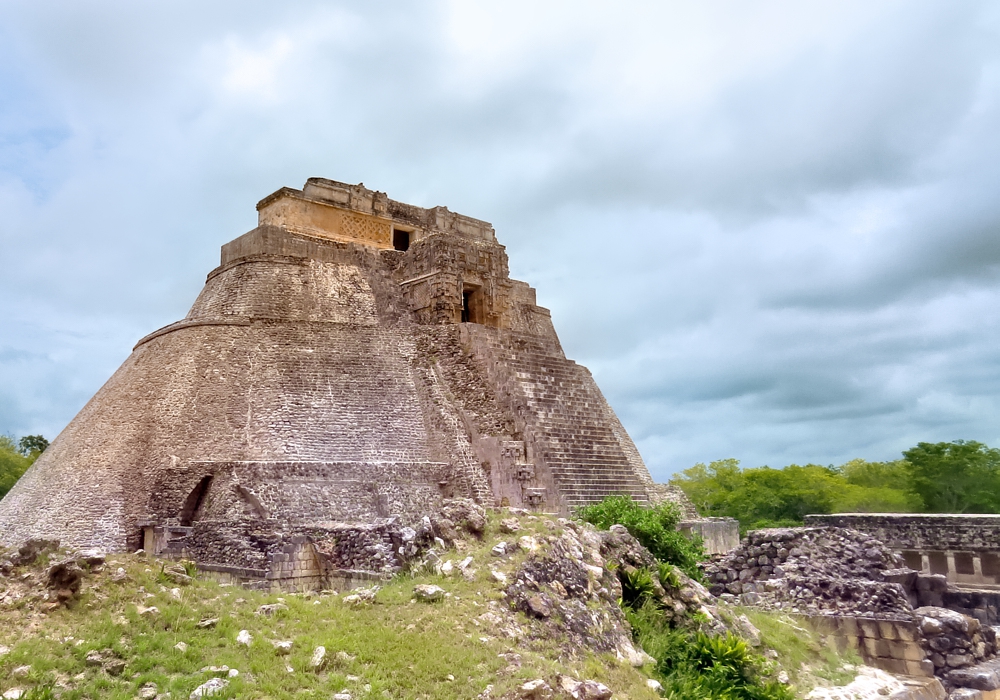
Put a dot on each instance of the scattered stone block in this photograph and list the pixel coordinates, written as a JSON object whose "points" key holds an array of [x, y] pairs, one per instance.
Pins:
{"points": [[538, 606], [318, 660], [536, 690], [509, 525], [213, 686], [271, 609], [428, 593]]}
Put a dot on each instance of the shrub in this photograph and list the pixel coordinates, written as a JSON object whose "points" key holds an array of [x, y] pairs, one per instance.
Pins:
{"points": [[693, 665], [638, 588], [655, 528], [690, 664]]}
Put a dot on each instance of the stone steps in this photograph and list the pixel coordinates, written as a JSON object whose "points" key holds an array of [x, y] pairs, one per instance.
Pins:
{"points": [[577, 445]]}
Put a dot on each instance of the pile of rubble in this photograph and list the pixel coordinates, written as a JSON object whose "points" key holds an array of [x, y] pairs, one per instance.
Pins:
{"points": [[955, 641], [822, 570], [894, 615], [53, 578], [565, 582]]}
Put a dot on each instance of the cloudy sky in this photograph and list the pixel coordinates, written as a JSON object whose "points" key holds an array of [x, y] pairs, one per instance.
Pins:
{"points": [[771, 229]]}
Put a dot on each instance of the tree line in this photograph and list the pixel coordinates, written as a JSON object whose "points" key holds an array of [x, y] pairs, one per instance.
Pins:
{"points": [[16, 456], [944, 477]]}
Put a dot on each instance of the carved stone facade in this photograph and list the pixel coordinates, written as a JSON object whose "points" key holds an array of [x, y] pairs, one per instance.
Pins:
{"points": [[352, 364]]}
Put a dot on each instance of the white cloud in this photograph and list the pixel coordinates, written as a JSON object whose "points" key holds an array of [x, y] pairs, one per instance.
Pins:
{"points": [[770, 229]]}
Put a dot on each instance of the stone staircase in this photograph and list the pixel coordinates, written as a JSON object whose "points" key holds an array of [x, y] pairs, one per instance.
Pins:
{"points": [[568, 411]]}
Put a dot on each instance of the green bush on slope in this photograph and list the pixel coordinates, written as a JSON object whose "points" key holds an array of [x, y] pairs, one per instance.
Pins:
{"points": [[690, 664], [655, 528]]}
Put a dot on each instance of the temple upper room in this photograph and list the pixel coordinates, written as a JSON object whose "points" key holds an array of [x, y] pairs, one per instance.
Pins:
{"points": [[353, 213]]}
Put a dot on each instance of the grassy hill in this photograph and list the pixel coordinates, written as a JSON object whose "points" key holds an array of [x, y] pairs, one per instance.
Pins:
{"points": [[135, 632]]}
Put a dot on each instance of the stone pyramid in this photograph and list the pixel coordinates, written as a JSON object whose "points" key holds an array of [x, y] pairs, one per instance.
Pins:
{"points": [[353, 364]]}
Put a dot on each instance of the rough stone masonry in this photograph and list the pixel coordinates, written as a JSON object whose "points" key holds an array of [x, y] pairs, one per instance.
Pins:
{"points": [[354, 365]]}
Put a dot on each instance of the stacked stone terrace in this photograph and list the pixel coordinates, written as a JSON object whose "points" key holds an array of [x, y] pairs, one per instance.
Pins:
{"points": [[354, 362]]}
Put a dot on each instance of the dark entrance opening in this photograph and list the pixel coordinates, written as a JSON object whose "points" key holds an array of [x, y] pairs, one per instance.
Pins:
{"points": [[964, 563], [465, 306], [472, 305], [194, 501], [913, 560], [400, 239]]}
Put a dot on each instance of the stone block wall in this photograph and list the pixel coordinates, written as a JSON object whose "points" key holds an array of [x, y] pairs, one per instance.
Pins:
{"points": [[296, 566], [983, 605], [964, 548], [300, 493], [892, 645], [719, 535]]}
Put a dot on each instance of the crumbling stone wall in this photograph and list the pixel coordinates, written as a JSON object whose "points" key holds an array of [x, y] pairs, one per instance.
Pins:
{"points": [[812, 571], [853, 587], [965, 548]]}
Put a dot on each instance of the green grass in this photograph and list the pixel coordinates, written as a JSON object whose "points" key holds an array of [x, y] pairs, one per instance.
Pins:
{"points": [[401, 649], [803, 653]]}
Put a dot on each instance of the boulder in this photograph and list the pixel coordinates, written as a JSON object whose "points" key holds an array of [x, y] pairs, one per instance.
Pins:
{"points": [[213, 686], [428, 593]]}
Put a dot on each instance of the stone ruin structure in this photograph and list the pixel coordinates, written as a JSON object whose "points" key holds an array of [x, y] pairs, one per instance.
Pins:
{"points": [[964, 548], [353, 369], [860, 593]]}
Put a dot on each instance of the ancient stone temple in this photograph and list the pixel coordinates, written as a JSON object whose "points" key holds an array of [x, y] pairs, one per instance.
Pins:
{"points": [[352, 365]]}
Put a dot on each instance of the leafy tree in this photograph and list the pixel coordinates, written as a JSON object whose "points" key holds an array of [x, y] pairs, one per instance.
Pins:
{"points": [[955, 477], [760, 496], [877, 475], [876, 487], [12, 464], [765, 497], [782, 495], [945, 477], [710, 487], [32, 445]]}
